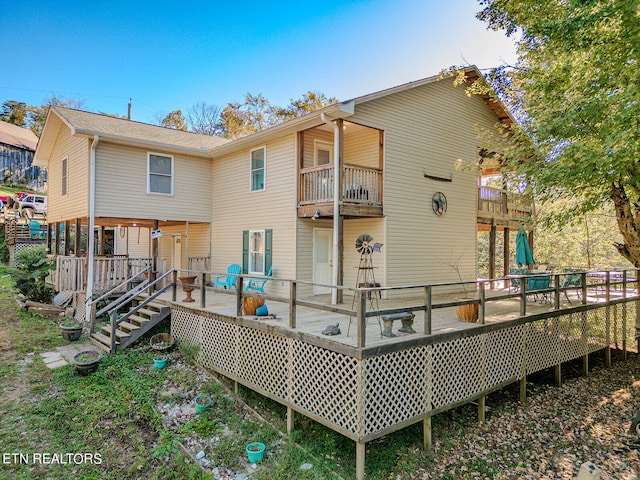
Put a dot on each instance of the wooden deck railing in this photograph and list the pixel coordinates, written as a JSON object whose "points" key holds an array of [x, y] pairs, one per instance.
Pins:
{"points": [[360, 185], [498, 202], [71, 272]]}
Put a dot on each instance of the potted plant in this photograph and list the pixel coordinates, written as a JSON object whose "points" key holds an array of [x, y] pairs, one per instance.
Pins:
{"points": [[468, 312], [255, 451], [71, 330], [86, 361], [187, 287], [202, 402], [159, 361], [162, 341]]}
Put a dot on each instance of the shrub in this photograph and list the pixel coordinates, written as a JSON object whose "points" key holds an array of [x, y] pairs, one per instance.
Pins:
{"points": [[34, 267]]}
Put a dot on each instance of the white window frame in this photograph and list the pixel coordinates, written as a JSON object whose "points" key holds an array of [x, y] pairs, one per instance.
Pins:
{"points": [[172, 175], [322, 145], [65, 177], [264, 170], [262, 248]]}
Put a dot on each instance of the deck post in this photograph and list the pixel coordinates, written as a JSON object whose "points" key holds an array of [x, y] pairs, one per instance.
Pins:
{"points": [[427, 434], [505, 254], [557, 375], [523, 389], [584, 287], [427, 310], [362, 319], [492, 255], [482, 304], [174, 290], [556, 291], [482, 408], [360, 451], [203, 295], [290, 420], [293, 286], [113, 332], [523, 296], [239, 286]]}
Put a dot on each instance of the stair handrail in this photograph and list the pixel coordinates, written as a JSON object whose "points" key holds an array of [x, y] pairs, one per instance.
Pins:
{"points": [[128, 296], [91, 301], [113, 313]]}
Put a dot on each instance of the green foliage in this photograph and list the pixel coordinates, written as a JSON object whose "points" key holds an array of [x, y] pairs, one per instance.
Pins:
{"points": [[175, 120], [4, 249], [34, 267], [190, 350], [575, 93]]}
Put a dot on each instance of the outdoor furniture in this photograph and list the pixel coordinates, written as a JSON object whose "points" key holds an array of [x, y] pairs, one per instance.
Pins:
{"points": [[537, 283], [35, 230], [515, 279], [228, 281], [407, 323], [258, 285], [572, 280]]}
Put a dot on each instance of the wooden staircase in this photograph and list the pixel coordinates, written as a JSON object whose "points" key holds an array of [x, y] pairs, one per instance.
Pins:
{"points": [[139, 320]]}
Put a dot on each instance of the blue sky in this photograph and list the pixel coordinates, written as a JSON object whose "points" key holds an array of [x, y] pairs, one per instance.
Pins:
{"points": [[168, 56]]}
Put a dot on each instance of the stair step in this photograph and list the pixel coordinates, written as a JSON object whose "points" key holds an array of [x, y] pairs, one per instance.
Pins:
{"points": [[102, 338], [119, 333], [138, 319], [149, 313], [99, 344], [129, 326]]}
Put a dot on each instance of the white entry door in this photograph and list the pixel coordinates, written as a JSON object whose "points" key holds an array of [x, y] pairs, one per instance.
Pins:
{"points": [[322, 259]]}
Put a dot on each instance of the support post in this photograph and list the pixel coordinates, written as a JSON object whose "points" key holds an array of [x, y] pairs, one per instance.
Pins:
{"points": [[67, 238], [482, 408], [482, 304], [203, 290], [78, 231], [427, 434], [362, 319], [523, 390], [290, 420], [557, 375], [360, 451], [492, 255], [505, 253], [154, 255], [174, 290]]}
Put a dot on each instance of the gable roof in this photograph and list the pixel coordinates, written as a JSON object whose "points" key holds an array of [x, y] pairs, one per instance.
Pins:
{"points": [[123, 131], [119, 130], [17, 136]]}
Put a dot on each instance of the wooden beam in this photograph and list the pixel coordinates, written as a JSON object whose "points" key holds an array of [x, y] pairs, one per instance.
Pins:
{"points": [[67, 238], [78, 233], [492, 254], [505, 252]]}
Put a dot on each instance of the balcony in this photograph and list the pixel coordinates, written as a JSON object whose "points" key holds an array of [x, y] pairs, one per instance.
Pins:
{"points": [[503, 208], [360, 196]]}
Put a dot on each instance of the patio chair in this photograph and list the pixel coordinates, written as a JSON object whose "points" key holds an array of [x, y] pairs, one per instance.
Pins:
{"points": [[571, 281], [258, 284], [537, 283], [35, 230], [514, 283], [228, 281]]}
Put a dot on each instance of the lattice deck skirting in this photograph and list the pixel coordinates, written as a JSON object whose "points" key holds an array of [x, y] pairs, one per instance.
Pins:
{"points": [[366, 395]]}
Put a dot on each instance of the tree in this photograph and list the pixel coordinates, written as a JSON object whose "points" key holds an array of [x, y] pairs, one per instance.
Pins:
{"points": [[14, 112], [309, 102], [38, 113], [204, 119], [576, 95], [175, 120], [254, 115]]}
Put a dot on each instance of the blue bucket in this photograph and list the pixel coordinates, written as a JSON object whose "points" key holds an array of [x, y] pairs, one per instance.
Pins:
{"points": [[262, 311]]}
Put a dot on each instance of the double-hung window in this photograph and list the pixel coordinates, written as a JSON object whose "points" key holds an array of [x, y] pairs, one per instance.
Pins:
{"points": [[256, 251], [258, 167], [257, 248], [160, 174]]}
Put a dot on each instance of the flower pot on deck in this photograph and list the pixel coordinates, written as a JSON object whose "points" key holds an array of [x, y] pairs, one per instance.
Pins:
{"points": [[187, 288], [468, 313]]}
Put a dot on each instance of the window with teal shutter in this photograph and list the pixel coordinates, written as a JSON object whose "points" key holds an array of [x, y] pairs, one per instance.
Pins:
{"points": [[257, 251]]}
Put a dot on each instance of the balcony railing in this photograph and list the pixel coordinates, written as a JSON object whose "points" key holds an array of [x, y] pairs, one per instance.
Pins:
{"points": [[360, 185], [495, 202]]}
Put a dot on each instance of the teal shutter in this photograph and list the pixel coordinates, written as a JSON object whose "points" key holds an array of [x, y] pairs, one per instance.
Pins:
{"points": [[245, 251], [268, 249]]}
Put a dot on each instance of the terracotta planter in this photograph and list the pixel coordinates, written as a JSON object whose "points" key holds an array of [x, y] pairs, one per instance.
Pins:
{"points": [[186, 281], [251, 304], [468, 313]]}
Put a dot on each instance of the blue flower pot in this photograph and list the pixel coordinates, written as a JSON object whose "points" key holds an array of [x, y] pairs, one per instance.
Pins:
{"points": [[202, 402], [160, 362], [262, 311], [255, 451]]}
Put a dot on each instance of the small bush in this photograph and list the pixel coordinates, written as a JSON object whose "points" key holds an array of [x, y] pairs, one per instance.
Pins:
{"points": [[34, 267]]}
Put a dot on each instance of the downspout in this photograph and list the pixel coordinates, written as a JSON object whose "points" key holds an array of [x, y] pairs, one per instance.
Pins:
{"points": [[91, 225], [336, 205]]}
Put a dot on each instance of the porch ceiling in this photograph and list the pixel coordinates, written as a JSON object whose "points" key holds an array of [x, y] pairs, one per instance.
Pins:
{"points": [[130, 222]]}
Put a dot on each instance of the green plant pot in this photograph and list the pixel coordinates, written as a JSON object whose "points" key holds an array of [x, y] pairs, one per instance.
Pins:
{"points": [[202, 402], [255, 451], [71, 333], [160, 362]]}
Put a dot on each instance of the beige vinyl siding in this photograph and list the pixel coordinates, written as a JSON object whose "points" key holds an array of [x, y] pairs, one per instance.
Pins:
{"points": [[310, 138], [195, 243], [235, 208], [135, 244], [121, 186], [75, 203], [361, 147], [426, 130]]}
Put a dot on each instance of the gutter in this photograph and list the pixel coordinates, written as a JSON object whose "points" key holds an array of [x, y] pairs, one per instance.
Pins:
{"points": [[91, 226], [336, 206]]}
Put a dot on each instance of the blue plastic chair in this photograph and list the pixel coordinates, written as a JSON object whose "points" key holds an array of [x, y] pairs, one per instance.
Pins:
{"points": [[35, 230], [258, 285], [228, 281]]}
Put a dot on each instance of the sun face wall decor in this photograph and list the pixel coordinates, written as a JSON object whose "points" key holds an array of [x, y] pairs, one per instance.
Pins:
{"points": [[439, 203]]}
